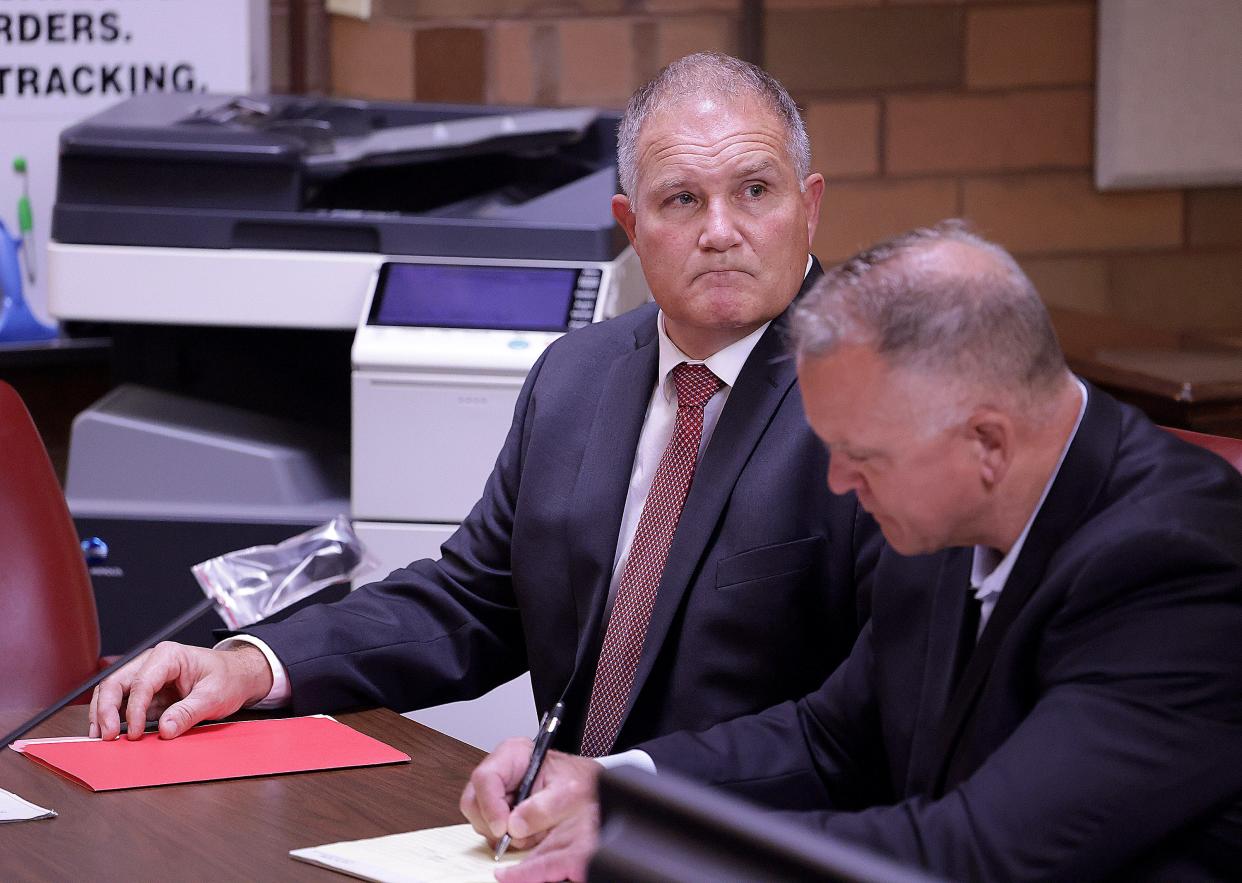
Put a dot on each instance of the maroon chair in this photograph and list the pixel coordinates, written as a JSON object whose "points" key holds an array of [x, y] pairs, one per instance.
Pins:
{"points": [[1229, 448], [49, 628]]}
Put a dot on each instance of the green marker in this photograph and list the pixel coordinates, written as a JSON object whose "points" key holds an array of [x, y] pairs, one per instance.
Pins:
{"points": [[25, 218]]}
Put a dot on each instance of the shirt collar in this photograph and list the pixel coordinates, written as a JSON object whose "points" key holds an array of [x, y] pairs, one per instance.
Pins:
{"points": [[726, 364], [989, 571]]}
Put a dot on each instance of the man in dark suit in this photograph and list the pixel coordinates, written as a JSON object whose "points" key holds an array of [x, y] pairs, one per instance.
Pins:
{"points": [[1050, 686], [580, 562]]}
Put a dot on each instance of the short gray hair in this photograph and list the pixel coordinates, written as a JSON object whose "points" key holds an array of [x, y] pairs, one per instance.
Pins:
{"points": [[970, 316], [714, 74]]}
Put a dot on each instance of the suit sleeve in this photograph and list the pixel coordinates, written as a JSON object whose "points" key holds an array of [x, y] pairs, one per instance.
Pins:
{"points": [[1135, 733], [432, 632], [833, 733], [822, 751]]}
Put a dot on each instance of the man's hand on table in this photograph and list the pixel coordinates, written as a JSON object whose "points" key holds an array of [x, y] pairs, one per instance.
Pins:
{"points": [[560, 819], [183, 685]]}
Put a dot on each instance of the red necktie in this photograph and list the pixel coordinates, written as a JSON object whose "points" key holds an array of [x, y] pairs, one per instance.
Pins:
{"points": [[640, 578]]}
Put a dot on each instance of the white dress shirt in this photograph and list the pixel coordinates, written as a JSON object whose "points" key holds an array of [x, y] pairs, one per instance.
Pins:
{"points": [[661, 419], [989, 571]]}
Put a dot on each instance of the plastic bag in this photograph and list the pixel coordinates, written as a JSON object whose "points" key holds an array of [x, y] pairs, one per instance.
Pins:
{"points": [[251, 584]]}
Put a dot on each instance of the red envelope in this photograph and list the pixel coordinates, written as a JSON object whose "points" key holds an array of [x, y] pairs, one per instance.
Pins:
{"points": [[214, 751]]}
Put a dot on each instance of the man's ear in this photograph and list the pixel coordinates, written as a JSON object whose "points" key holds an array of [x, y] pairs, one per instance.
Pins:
{"points": [[812, 195], [993, 435], [624, 213]]}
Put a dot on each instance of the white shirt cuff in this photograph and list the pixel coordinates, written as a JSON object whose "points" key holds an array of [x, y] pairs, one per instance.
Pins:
{"points": [[635, 757], [278, 696]]}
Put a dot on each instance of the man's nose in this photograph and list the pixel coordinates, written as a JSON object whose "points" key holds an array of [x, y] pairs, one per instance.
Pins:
{"points": [[720, 229], [842, 477]]}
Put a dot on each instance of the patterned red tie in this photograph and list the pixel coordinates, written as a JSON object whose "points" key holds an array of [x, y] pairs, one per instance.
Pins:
{"points": [[640, 577]]}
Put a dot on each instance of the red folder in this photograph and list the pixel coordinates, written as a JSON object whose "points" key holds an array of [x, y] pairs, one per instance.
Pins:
{"points": [[214, 751]]}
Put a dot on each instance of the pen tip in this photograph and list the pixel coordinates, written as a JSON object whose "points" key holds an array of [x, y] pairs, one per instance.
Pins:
{"points": [[501, 847]]}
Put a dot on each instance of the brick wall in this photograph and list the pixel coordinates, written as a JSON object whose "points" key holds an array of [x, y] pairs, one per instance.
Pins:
{"points": [[917, 109]]}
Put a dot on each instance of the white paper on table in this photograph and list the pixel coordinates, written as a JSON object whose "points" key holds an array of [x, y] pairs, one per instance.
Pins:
{"points": [[455, 854], [20, 745], [15, 809]]}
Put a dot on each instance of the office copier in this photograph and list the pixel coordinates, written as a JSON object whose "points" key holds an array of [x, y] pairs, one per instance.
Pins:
{"points": [[376, 276]]}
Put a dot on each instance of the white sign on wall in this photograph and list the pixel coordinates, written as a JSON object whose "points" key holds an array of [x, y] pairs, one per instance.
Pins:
{"points": [[1169, 94], [61, 61]]}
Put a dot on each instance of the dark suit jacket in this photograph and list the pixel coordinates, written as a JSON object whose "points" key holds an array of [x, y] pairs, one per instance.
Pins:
{"points": [[1097, 727], [757, 602]]}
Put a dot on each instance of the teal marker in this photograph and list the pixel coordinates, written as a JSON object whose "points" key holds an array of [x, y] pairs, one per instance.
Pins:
{"points": [[25, 218]]}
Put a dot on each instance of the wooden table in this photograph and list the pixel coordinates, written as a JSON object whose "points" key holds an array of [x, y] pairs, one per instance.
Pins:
{"points": [[1191, 380], [240, 829], [1189, 389]]}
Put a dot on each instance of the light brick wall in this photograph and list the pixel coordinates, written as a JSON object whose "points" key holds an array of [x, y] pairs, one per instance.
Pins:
{"points": [[917, 110]]}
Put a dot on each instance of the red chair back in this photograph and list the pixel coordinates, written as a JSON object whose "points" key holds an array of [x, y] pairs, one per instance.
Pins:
{"points": [[1229, 448], [49, 628]]}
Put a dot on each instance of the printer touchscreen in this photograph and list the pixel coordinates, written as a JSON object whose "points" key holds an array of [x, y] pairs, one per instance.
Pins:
{"points": [[474, 296]]}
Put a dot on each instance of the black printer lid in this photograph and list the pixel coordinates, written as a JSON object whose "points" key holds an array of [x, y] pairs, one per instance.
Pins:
{"points": [[296, 172], [327, 136]]}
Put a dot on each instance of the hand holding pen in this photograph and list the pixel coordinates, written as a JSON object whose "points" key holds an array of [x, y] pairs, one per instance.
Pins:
{"points": [[543, 740]]}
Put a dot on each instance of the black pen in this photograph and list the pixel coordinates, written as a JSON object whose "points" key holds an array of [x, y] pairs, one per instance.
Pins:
{"points": [[543, 739], [148, 727]]}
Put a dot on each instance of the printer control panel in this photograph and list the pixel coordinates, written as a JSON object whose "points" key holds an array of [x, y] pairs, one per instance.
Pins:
{"points": [[485, 316]]}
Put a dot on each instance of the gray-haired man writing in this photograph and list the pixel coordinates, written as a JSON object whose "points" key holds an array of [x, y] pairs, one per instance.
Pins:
{"points": [[1049, 685]]}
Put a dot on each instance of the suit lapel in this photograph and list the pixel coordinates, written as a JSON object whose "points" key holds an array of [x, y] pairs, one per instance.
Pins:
{"points": [[763, 383], [943, 641], [599, 494], [1077, 485]]}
